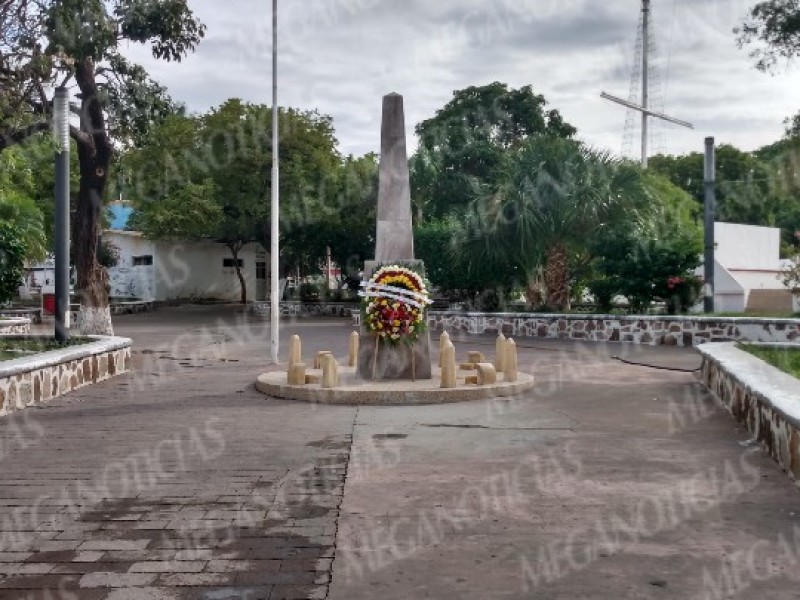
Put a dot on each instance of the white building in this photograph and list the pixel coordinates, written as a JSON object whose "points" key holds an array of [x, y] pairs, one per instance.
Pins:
{"points": [[747, 270], [188, 270]]}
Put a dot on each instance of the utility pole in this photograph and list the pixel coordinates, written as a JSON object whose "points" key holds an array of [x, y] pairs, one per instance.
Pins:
{"points": [[709, 186], [275, 306]]}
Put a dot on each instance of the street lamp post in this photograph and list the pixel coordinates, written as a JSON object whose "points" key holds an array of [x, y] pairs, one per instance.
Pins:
{"points": [[61, 131], [275, 204]]}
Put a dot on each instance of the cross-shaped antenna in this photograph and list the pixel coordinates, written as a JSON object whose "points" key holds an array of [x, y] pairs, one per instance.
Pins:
{"points": [[644, 106]]}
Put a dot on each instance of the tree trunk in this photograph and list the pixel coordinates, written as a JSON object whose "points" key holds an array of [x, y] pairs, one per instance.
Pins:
{"points": [[94, 154], [534, 295], [234, 248], [556, 277]]}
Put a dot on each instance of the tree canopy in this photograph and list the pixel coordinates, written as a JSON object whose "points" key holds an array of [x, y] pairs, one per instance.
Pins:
{"points": [[19, 196], [754, 188], [553, 195], [49, 43], [466, 144], [12, 259], [209, 177], [773, 27]]}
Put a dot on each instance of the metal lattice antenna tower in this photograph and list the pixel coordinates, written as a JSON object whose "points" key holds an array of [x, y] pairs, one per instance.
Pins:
{"points": [[634, 96], [644, 76], [657, 129]]}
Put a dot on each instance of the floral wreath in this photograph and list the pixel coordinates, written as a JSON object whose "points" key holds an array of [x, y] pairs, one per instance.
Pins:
{"points": [[393, 304]]}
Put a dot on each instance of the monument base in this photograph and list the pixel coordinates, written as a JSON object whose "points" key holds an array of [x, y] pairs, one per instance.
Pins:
{"points": [[355, 392], [393, 362]]}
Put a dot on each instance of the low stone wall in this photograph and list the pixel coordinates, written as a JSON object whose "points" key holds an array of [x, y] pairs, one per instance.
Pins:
{"points": [[306, 309], [763, 398], [15, 325], [42, 377], [34, 314], [651, 330]]}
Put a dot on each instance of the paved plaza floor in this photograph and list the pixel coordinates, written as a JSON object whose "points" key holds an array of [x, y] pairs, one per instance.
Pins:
{"points": [[180, 481]]}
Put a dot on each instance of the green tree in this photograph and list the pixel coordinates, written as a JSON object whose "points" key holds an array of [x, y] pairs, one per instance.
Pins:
{"points": [[18, 205], [645, 265], [745, 192], [792, 126], [774, 27], [346, 222], [209, 177], [554, 194], [791, 276], [467, 143], [673, 207], [459, 273], [12, 259], [29, 170], [54, 42]]}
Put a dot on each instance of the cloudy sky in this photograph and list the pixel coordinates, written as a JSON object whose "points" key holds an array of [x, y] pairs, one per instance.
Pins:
{"points": [[342, 56]]}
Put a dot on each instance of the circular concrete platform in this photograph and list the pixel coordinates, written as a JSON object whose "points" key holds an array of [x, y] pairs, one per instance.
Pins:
{"points": [[359, 392]]}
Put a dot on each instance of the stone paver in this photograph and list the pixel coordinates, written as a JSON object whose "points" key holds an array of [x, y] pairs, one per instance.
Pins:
{"points": [[181, 481]]}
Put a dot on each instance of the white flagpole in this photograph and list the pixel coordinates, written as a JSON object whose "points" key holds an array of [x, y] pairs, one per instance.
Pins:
{"points": [[275, 204]]}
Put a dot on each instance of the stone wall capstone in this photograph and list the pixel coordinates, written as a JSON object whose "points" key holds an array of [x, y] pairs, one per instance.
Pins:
{"points": [[15, 325], [650, 330], [683, 330], [52, 374], [306, 309], [764, 399]]}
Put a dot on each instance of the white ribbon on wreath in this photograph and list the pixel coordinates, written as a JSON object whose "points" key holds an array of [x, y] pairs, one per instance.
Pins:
{"points": [[378, 290]]}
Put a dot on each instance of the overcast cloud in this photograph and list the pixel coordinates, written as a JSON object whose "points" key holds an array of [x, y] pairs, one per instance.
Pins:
{"points": [[342, 56]]}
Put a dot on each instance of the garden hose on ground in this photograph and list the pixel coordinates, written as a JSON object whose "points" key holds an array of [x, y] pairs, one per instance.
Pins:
{"points": [[649, 366]]}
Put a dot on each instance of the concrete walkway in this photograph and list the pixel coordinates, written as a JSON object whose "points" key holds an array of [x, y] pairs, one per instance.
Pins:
{"points": [[179, 480]]}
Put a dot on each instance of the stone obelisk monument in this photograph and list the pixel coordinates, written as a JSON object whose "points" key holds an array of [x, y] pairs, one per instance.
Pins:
{"points": [[394, 243]]}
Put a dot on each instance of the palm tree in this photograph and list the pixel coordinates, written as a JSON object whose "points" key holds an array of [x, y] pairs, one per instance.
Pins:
{"points": [[552, 196]]}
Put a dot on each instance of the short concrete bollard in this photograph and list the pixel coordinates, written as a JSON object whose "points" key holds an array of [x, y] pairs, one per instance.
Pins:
{"points": [[487, 374], [330, 371], [352, 355], [447, 358], [510, 361], [295, 350], [296, 375], [318, 358], [499, 352], [444, 339]]}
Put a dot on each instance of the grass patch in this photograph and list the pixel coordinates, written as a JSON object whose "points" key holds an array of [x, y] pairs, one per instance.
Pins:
{"points": [[786, 359], [18, 347]]}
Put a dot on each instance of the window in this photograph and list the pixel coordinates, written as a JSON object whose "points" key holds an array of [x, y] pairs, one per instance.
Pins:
{"points": [[261, 270], [142, 261], [228, 263]]}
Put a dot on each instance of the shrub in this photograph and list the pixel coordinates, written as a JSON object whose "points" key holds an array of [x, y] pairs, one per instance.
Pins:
{"points": [[12, 260]]}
